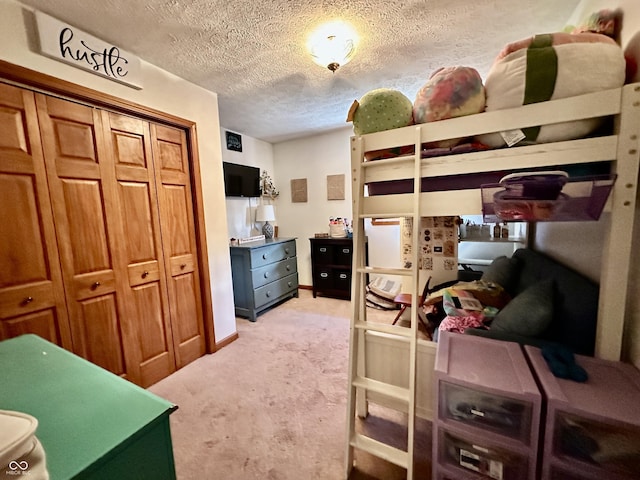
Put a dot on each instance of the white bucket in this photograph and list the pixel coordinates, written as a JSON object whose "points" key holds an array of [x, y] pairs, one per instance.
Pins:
{"points": [[21, 454]]}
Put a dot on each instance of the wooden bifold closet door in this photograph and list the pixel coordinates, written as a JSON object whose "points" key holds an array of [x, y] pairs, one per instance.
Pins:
{"points": [[31, 289], [124, 248]]}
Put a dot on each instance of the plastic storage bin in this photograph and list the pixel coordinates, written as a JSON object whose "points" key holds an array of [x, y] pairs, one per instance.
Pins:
{"points": [[592, 429], [488, 410]]}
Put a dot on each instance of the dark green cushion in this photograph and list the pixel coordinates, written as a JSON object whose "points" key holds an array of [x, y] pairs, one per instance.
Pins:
{"points": [[505, 272], [529, 313]]}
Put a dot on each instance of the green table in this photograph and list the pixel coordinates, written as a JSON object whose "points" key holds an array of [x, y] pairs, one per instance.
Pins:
{"points": [[92, 424]]}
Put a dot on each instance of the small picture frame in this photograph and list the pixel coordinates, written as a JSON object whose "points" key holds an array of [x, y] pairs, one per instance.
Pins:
{"points": [[299, 190], [234, 141], [335, 187]]}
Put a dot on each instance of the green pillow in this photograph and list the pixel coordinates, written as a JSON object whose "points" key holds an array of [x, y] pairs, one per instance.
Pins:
{"points": [[505, 272], [529, 313]]}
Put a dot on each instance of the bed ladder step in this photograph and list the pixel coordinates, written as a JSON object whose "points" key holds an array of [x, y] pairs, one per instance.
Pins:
{"points": [[380, 450], [403, 332], [387, 389]]}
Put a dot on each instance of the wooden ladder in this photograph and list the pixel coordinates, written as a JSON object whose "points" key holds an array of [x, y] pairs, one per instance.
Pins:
{"points": [[359, 385]]}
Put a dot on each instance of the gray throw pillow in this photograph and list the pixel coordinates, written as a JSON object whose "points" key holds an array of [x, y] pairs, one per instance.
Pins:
{"points": [[529, 313], [505, 272]]}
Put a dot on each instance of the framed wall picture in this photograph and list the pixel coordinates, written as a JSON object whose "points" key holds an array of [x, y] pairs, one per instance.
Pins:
{"points": [[299, 190], [335, 187], [234, 141]]}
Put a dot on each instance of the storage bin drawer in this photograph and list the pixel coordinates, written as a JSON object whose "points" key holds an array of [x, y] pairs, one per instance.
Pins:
{"points": [[451, 474], [269, 273], [482, 458], [599, 447], [558, 474], [272, 253], [272, 291], [502, 415]]}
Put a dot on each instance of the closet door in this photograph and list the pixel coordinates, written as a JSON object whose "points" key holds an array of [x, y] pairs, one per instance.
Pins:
{"points": [[179, 241], [147, 299], [83, 193], [31, 289]]}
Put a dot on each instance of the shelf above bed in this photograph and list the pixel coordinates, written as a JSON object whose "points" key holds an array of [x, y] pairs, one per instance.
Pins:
{"points": [[580, 199]]}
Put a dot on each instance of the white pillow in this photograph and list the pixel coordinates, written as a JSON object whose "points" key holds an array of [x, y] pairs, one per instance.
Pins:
{"points": [[582, 68]]}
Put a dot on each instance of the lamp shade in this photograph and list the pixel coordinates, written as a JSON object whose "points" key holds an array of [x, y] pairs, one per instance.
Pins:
{"points": [[332, 45], [265, 213]]}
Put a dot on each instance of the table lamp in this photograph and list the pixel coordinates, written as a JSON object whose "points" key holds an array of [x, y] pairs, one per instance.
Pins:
{"points": [[265, 213]]}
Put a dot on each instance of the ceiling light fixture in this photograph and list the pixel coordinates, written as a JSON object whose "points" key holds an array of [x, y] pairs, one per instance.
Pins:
{"points": [[332, 45]]}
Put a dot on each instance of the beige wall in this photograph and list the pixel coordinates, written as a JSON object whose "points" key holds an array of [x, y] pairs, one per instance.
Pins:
{"points": [[161, 91]]}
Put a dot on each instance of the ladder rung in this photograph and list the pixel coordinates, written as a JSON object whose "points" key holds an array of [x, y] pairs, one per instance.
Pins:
{"points": [[386, 389], [388, 161], [386, 215], [380, 450], [403, 332], [385, 271]]}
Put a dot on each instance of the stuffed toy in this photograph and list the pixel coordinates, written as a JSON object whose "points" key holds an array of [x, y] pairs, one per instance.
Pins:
{"points": [[632, 57], [450, 92], [550, 67], [380, 109]]}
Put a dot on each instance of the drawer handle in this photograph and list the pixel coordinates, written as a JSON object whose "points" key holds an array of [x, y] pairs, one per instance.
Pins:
{"points": [[145, 274], [264, 256], [323, 249], [27, 301], [346, 250], [289, 284], [288, 267], [266, 274], [183, 266], [95, 285], [324, 275], [268, 294], [343, 275], [286, 250]]}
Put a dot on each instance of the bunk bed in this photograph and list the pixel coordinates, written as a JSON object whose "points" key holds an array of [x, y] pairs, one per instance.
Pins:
{"points": [[386, 357]]}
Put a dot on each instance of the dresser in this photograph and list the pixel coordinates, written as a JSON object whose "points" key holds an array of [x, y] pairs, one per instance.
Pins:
{"points": [[264, 273], [487, 421], [92, 424], [331, 266]]}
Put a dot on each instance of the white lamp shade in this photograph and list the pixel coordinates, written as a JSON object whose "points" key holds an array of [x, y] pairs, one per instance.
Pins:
{"points": [[265, 213]]}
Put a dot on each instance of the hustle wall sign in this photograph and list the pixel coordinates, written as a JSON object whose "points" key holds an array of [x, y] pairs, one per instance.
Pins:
{"points": [[71, 45]]}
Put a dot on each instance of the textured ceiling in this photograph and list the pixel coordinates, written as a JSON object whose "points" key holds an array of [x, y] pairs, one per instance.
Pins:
{"points": [[253, 53]]}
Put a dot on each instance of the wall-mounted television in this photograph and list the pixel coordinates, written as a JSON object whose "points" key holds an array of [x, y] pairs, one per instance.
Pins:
{"points": [[241, 180]]}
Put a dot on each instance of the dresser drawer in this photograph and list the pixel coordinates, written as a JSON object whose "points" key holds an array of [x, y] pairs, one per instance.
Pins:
{"points": [[324, 278], [272, 253], [343, 254], [342, 279], [274, 290], [322, 253], [269, 273]]}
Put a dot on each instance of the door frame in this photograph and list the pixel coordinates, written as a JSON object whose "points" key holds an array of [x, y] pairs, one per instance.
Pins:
{"points": [[49, 85]]}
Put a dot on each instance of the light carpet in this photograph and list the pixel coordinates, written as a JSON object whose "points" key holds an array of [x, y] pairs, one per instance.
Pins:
{"points": [[272, 404]]}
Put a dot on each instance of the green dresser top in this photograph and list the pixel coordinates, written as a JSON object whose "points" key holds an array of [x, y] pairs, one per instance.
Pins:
{"points": [[84, 411]]}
